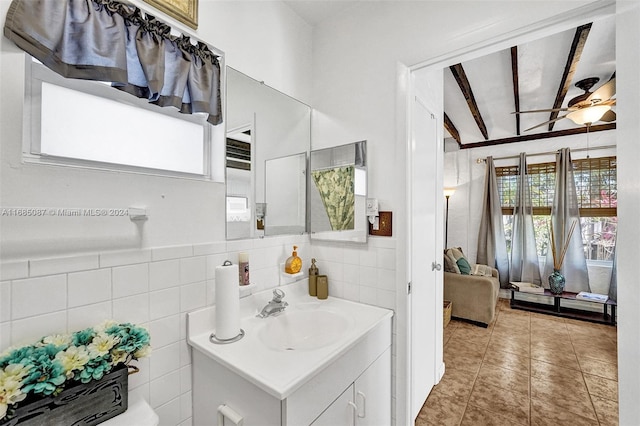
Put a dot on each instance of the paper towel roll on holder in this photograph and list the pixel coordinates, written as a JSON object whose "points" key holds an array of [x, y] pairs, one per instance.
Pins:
{"points": [[218, 341], [214, 339]]}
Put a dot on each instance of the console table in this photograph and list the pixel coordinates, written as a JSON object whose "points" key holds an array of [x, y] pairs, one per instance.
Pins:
{"points": [[562, 311]]}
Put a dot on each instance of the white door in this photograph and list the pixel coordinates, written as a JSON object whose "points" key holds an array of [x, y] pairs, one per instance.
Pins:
{"points": [[423, 240]]}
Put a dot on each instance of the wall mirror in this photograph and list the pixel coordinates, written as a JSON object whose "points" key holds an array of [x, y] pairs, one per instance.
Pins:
{"points": [[338, 193], [268, 140]]}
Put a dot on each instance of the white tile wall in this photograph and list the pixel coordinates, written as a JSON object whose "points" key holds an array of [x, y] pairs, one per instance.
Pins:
{"points": [[155, 287]]}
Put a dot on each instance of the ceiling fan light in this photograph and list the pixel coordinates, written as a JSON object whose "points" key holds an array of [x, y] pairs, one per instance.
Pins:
{"points": [[589, 114]]}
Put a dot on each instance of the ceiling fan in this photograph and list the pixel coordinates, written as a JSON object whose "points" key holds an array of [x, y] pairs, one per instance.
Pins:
{"points": [[587, 108]]}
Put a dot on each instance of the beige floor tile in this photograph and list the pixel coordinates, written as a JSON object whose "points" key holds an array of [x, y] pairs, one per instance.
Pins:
{"points": [[463, 336], [474, 416], [607, 354], [442, 410], [548, 414], [555, 392], [555, 356], [456, 383], [606, 410], [559, 344], [598, 368], [601, 387], [526, 368], [504, 378], [513, 345], [571, 380], [517, 363], [512, 405]]}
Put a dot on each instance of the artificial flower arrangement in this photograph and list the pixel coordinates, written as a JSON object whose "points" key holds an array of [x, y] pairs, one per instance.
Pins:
{"points": [[57, 361]]}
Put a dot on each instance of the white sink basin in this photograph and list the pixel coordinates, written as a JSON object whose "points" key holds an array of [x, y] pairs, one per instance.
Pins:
{"points": [[300, 330]]}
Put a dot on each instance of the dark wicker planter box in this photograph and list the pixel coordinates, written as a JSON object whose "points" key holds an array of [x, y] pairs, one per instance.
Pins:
{"points": [[83, 404]]}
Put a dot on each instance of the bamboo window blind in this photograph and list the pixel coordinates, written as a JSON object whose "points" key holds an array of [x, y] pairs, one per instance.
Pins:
{"points": [[596, 186]]}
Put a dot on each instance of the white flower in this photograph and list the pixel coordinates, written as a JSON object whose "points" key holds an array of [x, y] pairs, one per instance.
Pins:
{"points": [[104, 325], [143, 352], [58, 339], [102, 344], [74, 358], [10, 386], [118, 357]]}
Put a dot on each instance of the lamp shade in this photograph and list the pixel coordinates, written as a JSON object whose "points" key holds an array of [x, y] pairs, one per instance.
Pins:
{"points": [[589, 114], [448, 192]]}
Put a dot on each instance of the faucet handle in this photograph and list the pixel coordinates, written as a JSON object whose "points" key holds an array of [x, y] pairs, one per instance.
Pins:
{"points": [[278, 295]]}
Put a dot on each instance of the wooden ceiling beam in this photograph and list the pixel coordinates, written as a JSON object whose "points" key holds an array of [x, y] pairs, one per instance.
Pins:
{"points": [[451, 128], [465, 88], [579, 40], [516, 86], [537, 136]]}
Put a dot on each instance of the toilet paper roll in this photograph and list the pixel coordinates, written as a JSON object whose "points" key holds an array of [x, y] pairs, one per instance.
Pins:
{"points": [[227, 302]]}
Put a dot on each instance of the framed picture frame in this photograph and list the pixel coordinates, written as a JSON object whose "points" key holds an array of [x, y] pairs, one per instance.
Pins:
{"points": [[185, 11]]}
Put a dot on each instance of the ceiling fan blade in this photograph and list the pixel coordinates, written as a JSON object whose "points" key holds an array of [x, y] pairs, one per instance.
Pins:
{"points": [[546, 122], [609, 116], [604, 92], [543, 110], [609, 102]]}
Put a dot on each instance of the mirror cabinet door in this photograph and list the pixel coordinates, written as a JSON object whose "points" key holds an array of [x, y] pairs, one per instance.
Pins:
{"points": [[266, 130], [338, 193]]}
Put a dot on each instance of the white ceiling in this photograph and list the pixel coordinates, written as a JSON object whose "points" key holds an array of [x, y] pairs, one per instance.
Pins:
{"points": [[316, 11], [540, 68]]}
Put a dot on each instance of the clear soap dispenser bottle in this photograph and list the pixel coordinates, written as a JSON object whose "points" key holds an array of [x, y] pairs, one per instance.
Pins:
{"points": [[294, 263], [313, 275]]}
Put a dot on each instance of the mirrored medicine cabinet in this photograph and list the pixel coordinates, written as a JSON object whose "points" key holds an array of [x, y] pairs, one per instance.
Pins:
{"points": [[268, 141], [338, 193]]}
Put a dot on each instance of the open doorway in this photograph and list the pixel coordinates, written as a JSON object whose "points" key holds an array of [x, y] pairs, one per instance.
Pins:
{"points": [[426, 76]]}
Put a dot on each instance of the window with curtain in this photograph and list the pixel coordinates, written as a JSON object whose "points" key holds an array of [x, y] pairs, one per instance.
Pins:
{"points": [[597, 196]]}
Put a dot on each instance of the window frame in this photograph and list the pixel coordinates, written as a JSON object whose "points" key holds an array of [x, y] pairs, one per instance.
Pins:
{"points": [[549, 167], [37, 73]]}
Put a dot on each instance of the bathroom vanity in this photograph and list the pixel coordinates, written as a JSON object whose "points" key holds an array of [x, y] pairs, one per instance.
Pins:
{"points": [[320, 362]]}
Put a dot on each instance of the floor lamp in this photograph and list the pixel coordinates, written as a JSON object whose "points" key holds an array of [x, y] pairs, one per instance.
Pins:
{"points": [[448, 192]]}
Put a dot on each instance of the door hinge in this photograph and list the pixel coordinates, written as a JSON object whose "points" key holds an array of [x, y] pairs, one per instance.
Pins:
{"points": [[409, 287]]}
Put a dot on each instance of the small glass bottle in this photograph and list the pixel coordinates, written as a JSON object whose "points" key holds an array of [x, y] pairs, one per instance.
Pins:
{"points": [[243, 268], [313, 275], [294, 263]]}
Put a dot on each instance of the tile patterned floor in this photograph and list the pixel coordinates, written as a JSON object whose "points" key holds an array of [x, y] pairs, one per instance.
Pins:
{"points": [[526, 369]]}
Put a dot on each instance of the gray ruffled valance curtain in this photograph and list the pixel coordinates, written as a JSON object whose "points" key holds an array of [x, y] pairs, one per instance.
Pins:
{"points": [[564, 213], [108, 40], [492, 245], [524, 264]]}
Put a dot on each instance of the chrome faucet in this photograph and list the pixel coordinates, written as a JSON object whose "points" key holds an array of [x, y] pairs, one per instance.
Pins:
{"points": [[275, 305]]}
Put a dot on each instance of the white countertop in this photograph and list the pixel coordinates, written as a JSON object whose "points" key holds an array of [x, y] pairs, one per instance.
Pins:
{"points": [[281, 372]]}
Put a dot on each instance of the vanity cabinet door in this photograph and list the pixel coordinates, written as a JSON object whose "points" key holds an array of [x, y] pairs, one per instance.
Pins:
{"points": [[373, 393], [339, 413]]}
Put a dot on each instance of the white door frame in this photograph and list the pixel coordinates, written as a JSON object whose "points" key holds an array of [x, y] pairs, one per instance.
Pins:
{"points": [[558, 23]]}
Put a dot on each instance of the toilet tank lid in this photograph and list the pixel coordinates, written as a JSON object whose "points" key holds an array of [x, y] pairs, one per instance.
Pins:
{"points": [[138, 413]]}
